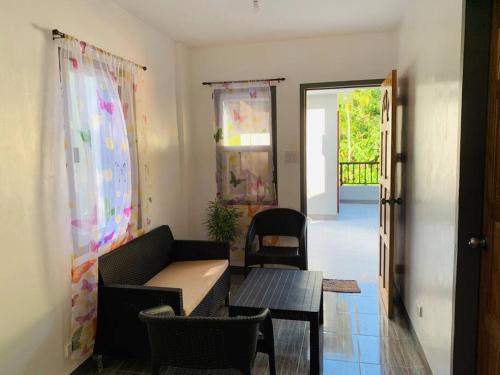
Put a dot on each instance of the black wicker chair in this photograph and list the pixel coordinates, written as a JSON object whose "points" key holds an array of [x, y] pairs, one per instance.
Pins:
{"points": [[207, 342], [277, 222]]}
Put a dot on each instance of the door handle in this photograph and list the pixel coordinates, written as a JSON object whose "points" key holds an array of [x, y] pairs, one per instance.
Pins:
{"points": [[478, 242], [392, 201]]}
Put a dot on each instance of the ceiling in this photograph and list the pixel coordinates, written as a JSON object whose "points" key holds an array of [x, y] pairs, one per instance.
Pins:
{"points": [[215, 22]]}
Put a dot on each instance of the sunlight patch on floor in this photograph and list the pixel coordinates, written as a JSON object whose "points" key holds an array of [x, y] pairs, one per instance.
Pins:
{"points": [[346, 248]]}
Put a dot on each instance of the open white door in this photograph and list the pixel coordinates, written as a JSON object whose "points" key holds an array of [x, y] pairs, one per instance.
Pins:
{"points": [[387, 189]]}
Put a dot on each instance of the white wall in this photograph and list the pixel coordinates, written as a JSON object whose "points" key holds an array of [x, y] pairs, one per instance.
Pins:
{"points": [[429, 67], [346, 57], [321, 136], [35, 276]]}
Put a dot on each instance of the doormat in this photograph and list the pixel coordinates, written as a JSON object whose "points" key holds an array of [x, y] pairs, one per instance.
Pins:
{"points": [[341, 286]]}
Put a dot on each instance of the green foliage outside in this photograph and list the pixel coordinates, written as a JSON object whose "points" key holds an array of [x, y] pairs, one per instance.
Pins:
{"points": [[363, 108], [359, 130]]}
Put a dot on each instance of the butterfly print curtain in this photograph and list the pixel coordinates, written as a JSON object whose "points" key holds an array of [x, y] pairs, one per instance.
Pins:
{"points": [[244, 153], [99, 99], [244, 143]]}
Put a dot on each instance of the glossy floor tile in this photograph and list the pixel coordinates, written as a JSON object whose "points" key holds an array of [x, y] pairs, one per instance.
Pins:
{"points": [[372, 369], [341, 368], [357, 337], [354, 342], [347, 247], [340, 347], [380, 351]]}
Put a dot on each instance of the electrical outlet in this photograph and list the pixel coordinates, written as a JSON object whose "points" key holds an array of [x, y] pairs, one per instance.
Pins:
{"points": [[420, 311]]}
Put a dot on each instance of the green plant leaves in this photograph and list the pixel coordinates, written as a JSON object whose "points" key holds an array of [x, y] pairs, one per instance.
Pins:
{"points": [[221, 221]]}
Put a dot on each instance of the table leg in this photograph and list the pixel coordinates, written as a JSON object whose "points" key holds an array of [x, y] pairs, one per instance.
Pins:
{"points": [[321, 309], [315, 361]]}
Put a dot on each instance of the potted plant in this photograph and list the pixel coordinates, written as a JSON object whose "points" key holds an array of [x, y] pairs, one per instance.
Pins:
{"points": [[221, 221]]}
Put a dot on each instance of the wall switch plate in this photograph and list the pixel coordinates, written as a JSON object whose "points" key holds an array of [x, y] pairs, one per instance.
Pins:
{"points": [[291, 157], [420, 311]]}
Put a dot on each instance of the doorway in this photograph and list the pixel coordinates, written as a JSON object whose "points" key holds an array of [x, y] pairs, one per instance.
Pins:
{"points": [[340, 131]]}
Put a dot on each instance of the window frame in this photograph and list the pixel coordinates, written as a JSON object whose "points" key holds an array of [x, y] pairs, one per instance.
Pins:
{"points": [[273, 145]]}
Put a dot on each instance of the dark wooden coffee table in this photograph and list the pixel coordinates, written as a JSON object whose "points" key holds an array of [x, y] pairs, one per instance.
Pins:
{"points": [[289, 294]]}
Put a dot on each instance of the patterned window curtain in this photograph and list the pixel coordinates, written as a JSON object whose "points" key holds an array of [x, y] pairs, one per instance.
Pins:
{"points": [[244, 143], [244, 137], [99, 101]]}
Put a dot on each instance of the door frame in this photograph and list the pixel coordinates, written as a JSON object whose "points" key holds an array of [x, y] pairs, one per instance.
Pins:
{"points": [[476, 64], [474, 120], [304, 87]]}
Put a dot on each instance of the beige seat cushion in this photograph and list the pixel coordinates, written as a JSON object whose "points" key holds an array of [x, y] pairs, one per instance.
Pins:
{"points": [[195, 278]]}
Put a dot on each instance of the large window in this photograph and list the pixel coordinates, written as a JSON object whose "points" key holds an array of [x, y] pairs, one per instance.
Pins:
{"points": [[98, 105], [99, 118], [246, 144]]}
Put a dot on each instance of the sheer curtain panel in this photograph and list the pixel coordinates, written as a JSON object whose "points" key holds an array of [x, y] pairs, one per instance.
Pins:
{"points": [[99, 94]]}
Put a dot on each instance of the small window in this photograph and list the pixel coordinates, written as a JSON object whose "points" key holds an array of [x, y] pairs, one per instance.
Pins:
{"points": [[246, 144]]}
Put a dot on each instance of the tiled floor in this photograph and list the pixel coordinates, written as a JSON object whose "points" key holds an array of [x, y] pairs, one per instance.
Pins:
{"points": [[357, 339], [346, 248]]}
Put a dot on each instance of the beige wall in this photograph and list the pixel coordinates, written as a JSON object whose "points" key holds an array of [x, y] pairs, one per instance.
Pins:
{"points": [[429, 67], [347, 57], [35, 275], [182, 70], [34, 282]]}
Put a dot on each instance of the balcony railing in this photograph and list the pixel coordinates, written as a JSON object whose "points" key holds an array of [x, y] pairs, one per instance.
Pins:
{"points": [[358, 173]]}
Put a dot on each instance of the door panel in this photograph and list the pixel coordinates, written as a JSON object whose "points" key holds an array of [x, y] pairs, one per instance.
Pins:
{"points": [[489, 306], [387, 189]]}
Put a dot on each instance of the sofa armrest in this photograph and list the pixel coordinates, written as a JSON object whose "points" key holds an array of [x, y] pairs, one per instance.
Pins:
{"points": [[138, 297], [200, 250], [119, 330]]}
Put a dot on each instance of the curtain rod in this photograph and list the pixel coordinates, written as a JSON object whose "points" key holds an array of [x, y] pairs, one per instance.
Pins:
{"points": [[244, 81], [56, 34]]}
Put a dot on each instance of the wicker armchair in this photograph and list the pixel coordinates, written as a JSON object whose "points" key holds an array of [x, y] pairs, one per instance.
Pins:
{"points": [[207, 342], [277, 222]]}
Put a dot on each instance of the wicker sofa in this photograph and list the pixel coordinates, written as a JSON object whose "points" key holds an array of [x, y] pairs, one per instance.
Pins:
{"points": [[152, 270]]}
